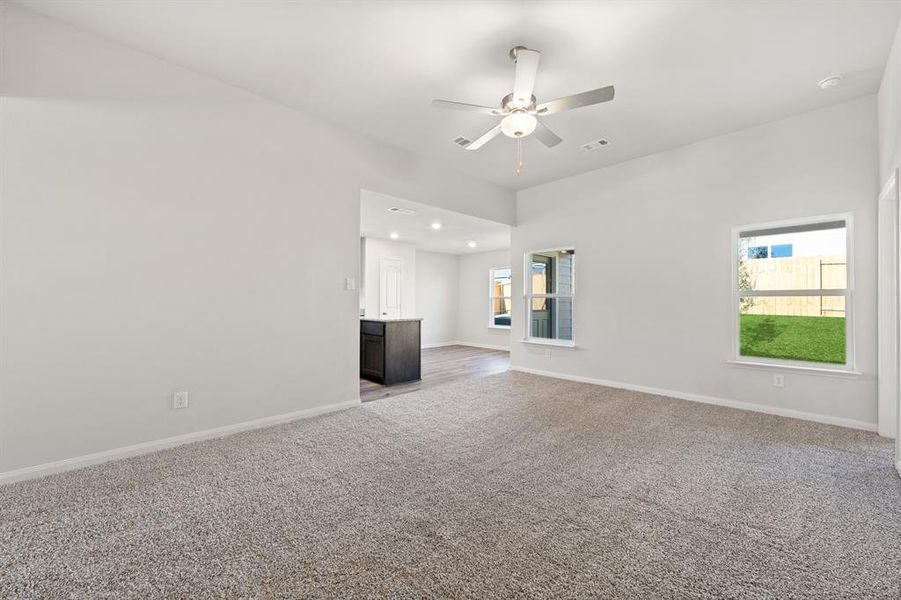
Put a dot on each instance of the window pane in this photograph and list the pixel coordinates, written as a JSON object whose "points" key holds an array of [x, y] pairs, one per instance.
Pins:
{"points": [[540, 269], [782, 250], [757, 252], [552, 272], [552, 318], [501, 284], [808, 328], [500, 312], [811, 257]]}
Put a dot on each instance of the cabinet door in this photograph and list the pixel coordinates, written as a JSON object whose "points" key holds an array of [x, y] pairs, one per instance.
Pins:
{"points": [[372, 355]]}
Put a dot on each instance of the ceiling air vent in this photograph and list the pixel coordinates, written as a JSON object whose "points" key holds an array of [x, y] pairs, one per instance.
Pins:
{"points": [[401, 211], [595, 144], [462, 141]]}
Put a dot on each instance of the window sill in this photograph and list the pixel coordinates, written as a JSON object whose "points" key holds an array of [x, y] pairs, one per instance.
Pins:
{"points": [[843, 373], [506, 327], [543, 342]]}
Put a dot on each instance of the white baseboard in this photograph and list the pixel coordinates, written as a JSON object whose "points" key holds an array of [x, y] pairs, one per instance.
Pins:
{"points": [[762, 408], [485, 346], [439, 345], [86, 460], [470, 344]]}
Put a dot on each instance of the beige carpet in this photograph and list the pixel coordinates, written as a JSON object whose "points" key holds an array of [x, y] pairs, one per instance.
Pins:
{"points": [[504, 486]]}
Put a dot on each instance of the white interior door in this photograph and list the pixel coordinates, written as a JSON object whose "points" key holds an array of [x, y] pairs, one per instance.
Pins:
{"points": [[390, 287]]}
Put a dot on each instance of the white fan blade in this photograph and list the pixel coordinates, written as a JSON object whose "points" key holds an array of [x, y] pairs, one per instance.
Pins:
{"points": [[524, 81], [546, 136], [487, 110], [486, 137], [604, 94]]}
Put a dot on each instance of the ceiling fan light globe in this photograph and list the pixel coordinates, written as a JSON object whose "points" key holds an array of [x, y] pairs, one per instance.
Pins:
{"points": [[518, 125]]}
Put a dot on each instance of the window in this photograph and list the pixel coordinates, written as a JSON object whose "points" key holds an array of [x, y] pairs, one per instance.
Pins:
{"points": [[500, 297], [793, 303], [549, 290]]}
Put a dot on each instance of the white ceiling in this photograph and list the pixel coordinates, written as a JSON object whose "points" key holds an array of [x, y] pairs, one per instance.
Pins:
{"points": [[683, 71], [456, 229]]}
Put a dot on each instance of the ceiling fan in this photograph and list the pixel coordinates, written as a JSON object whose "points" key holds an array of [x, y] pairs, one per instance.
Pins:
{"points": [[520, 109]]}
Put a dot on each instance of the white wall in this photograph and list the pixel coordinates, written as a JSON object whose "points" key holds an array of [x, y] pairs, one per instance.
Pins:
{"points": [[657, 229], [373, 250], [890, 113], [451, 291], [437, 288], [162, 230], [472, 319]]}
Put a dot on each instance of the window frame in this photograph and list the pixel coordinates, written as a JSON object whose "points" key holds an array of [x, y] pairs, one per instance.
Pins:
{"points": [[849, 367], [527, 297], [492, 298]]}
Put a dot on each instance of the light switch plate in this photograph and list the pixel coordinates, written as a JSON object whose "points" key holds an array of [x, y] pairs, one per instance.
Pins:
{"points": [[350, 284]]}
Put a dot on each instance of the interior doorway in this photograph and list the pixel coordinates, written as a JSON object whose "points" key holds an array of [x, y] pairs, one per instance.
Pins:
{"points": [[433, 304]]}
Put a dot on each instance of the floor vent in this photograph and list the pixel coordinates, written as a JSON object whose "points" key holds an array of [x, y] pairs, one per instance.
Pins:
{"points": [[462, 141]]}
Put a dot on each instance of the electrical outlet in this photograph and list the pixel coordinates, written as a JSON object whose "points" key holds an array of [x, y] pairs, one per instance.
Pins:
{"points": [[180, 400], [779, 380]]}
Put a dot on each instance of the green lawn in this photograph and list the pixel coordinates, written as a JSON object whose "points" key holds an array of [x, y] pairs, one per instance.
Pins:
{"points": [[818, 339]]}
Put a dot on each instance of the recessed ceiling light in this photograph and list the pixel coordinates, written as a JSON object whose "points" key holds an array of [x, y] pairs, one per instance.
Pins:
{"points": [[393, 235], [436, 225], [829, 82], [471, 244]]}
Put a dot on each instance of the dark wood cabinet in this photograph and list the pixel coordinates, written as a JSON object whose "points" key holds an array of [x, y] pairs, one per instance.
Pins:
{"points": [[372, 356], [390, 351]]}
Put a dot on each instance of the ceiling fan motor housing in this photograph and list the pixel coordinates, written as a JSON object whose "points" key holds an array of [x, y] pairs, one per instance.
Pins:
{"points": [[508, 106]]}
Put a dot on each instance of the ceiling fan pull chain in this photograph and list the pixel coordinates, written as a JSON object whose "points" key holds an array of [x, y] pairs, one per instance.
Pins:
{"points": [[518, 156]]}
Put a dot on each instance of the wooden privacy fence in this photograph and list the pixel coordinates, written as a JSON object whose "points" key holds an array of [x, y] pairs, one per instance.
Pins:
{"points": [[797, 273]]}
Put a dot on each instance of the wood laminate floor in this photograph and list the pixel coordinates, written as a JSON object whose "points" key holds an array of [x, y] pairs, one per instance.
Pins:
{"points": [[441, 365]]}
